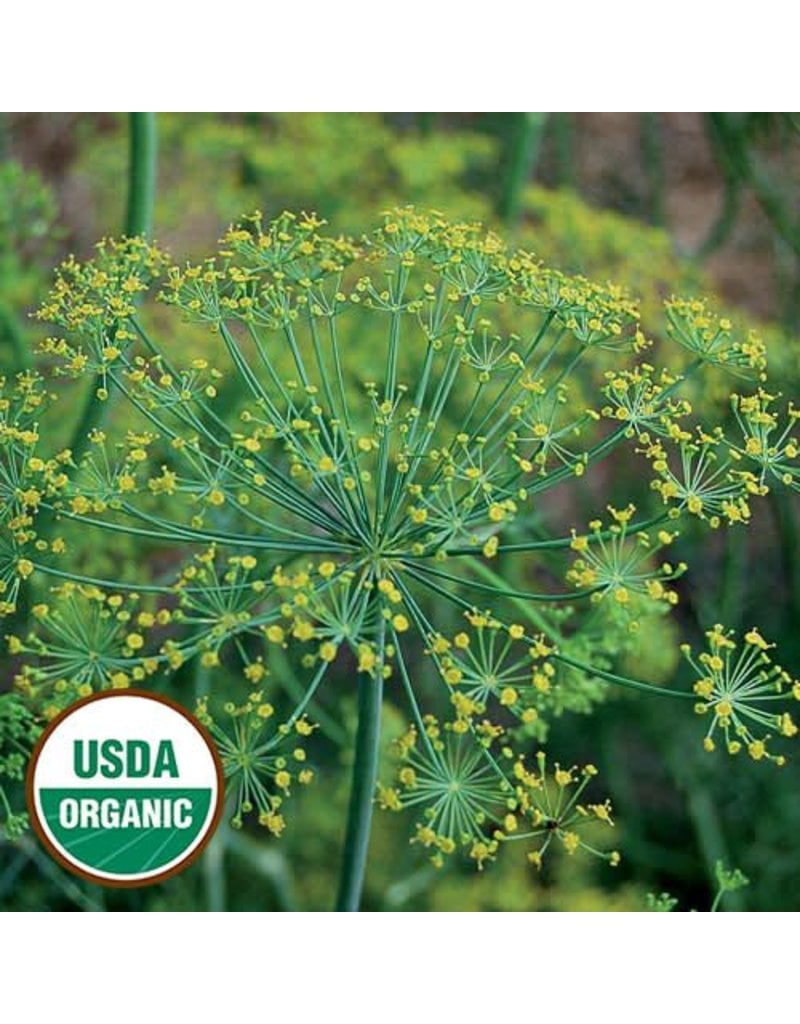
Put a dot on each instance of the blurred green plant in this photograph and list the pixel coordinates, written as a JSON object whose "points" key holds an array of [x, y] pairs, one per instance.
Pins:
{"points": [[346, 166], [728, 881], [27, 218]]}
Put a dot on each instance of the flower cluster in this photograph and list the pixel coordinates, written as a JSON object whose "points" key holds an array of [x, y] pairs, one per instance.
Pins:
{"points": [[701, 478], [712, 339], [85, 640], [338, 485], [471, 799], [770, 446], [261, 763], [738, 684], [619, 563]]}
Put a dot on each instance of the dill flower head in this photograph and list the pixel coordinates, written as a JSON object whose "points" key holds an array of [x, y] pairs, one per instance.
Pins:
{"points": [[549, 809], [713, 340], [644, 399], [84, 640], [620, 565], [744, 693], [489, 666], [260, 763], [768, 445], [699, 475], [475, 798], [333, 457], [457, 788]]}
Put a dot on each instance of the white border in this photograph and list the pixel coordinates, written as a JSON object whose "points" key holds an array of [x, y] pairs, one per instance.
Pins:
{"points": [[617, 967], [417, 56]]}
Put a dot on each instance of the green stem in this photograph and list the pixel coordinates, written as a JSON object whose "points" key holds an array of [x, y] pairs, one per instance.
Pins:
{"points": [[533, 615], [248, 171], [365, 773], [499, 589], [526, 146], [632, 684], [214, 880], [653, 159], [141, 175], [138, 221]]}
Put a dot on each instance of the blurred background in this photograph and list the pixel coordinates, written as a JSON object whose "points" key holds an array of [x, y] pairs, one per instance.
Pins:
{"points": [[661, 203]]}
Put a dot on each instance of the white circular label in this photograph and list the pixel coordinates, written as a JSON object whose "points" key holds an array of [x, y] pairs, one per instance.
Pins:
{"points": [[125, 788]]}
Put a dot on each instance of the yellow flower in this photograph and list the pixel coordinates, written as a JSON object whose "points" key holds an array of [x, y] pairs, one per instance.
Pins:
{"points": [[327, 651]]}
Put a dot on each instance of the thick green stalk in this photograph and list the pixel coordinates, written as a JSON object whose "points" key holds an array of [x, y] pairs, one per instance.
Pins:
{"points": [[653, 160], [138, 221], [214, 879], [248, 172], [362, 794], [525, 147], [141, 175]]}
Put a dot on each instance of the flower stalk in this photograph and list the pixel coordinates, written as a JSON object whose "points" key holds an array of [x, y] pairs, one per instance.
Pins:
{"points": [[365, 774], [138, 221]]}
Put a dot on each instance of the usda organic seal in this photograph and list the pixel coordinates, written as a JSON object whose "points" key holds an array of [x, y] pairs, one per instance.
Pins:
{"points": [[125, 788]]}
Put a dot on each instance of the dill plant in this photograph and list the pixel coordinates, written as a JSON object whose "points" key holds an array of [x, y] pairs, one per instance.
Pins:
{"points": [[378, 427]]}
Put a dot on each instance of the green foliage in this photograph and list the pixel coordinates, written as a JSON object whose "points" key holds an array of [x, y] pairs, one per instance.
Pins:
{"points": [[27, 215], [661, 903], [18, 731], [346, 166], [727, 881]]}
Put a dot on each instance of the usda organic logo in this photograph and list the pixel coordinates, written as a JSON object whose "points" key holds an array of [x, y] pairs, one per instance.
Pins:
{"points": [[125, 788]]}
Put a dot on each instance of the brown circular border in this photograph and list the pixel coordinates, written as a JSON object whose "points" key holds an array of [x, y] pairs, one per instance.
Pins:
{"points": [[112, 883]]}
